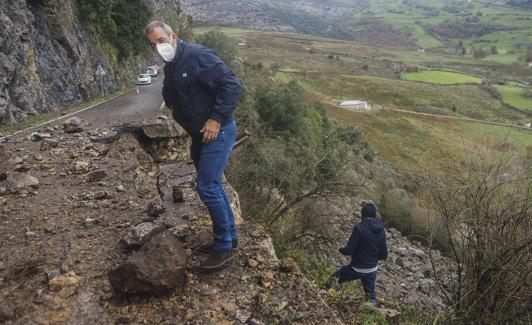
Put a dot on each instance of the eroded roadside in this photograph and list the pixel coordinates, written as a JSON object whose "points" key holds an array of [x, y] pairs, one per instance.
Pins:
{"points": [[68, 200]]}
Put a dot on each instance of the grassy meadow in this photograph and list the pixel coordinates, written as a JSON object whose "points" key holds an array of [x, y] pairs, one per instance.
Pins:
{"points": [[513, 95], [332, 70], [440, 77]]}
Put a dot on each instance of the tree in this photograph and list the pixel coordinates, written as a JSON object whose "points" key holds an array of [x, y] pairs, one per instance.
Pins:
{"points": [[120, 22], [493, 49], [528, 56], [486, 208], [97, 14], [492, 90], [282, 108], [130, 17], [479, 53], [295, 158], [221, 43]]}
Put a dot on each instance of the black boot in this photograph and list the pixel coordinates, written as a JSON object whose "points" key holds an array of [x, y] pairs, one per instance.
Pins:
{"points": [[209, 248], [216, 261], [332, 282]]}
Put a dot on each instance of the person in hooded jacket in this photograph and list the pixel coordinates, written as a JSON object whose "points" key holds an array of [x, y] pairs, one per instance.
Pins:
{"points": [[366, 246]]}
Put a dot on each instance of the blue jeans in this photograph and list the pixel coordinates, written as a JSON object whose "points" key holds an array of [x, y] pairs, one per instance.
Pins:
{"points": [[346, 273], [210, 160]]}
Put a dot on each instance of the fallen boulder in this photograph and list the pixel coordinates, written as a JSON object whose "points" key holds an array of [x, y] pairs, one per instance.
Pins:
{"points": [[47, 144], [163, 130], [18, 181], [73, 125], [81, 167], [177, 194], [158, 266], [23, 167], [38, 136]]}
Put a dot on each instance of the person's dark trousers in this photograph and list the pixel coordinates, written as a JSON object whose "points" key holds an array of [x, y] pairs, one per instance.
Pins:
{"points": [[347, 273], [210, 160]]}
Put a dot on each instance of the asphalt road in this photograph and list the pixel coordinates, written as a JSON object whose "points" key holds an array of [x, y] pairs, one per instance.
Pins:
{"points": [[128, 108]]}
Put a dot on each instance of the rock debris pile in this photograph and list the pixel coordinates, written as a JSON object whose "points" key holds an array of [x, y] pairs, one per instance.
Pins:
{"points": [[104, 226]]}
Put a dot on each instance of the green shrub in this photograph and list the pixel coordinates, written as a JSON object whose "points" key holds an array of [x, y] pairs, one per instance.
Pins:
{"points": [[399, 210], [282, 108], [221, 43]]}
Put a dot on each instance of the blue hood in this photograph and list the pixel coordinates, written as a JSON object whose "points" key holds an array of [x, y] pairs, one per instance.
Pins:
{"points": [[373, 224]]}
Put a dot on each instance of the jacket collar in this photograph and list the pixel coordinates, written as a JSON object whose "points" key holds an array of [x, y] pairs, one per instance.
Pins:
{"points": [[179, 50]]}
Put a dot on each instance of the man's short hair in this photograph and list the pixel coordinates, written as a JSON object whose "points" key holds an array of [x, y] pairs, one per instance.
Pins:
{"points": [[157, 23]]}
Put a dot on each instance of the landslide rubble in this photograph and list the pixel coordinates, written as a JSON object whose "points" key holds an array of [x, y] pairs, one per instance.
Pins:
{"points": [[81, 244]]}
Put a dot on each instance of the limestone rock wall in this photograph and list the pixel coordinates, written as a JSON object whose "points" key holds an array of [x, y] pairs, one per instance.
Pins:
{"points": [[48, 58]]}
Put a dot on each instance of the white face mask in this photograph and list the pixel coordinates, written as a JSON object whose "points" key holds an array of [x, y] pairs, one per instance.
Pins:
{"points": [[166, 51]]}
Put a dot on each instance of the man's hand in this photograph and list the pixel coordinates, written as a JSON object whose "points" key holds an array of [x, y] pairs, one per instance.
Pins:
{"points": [[210, 130]]}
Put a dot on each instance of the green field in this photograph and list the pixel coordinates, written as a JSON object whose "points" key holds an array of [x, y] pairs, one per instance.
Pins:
{"points": [[412, 18], [513, 95], [440, 77], [502, 58]]}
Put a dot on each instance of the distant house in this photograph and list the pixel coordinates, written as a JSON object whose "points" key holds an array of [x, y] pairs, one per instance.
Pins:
{"points": [[421, 50], [530, 64], [355, 104]]}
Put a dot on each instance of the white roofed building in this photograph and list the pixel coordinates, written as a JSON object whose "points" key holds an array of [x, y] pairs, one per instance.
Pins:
{"points": [[355, 104]]}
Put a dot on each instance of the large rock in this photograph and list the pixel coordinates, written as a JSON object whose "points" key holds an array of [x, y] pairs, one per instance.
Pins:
{"points": [[38, 136], [166, 141], [158, 266], [18, 181], [163, 130], [73, 125]]}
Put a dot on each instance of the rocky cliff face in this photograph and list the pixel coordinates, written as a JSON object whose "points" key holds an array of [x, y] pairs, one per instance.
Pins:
{"points": [[48, 58]]}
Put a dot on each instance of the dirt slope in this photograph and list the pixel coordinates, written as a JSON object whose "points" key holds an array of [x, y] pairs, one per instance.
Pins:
{"points": [[62, 236]]}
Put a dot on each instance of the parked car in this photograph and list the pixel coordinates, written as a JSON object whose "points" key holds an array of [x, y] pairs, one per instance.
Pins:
{"points": [[144, 79], [152, 72]]}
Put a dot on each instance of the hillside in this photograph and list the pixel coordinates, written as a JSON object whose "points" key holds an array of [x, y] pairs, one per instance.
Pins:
{"points": [[440, 25], [421, 119]]}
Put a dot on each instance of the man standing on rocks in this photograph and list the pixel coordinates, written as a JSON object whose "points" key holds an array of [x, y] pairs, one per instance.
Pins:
{"points": [[366, 246], [202, 93]]}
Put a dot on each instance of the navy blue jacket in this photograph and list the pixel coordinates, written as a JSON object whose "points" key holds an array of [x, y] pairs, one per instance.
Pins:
{"points": [[198, 86], [367, 244]]}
